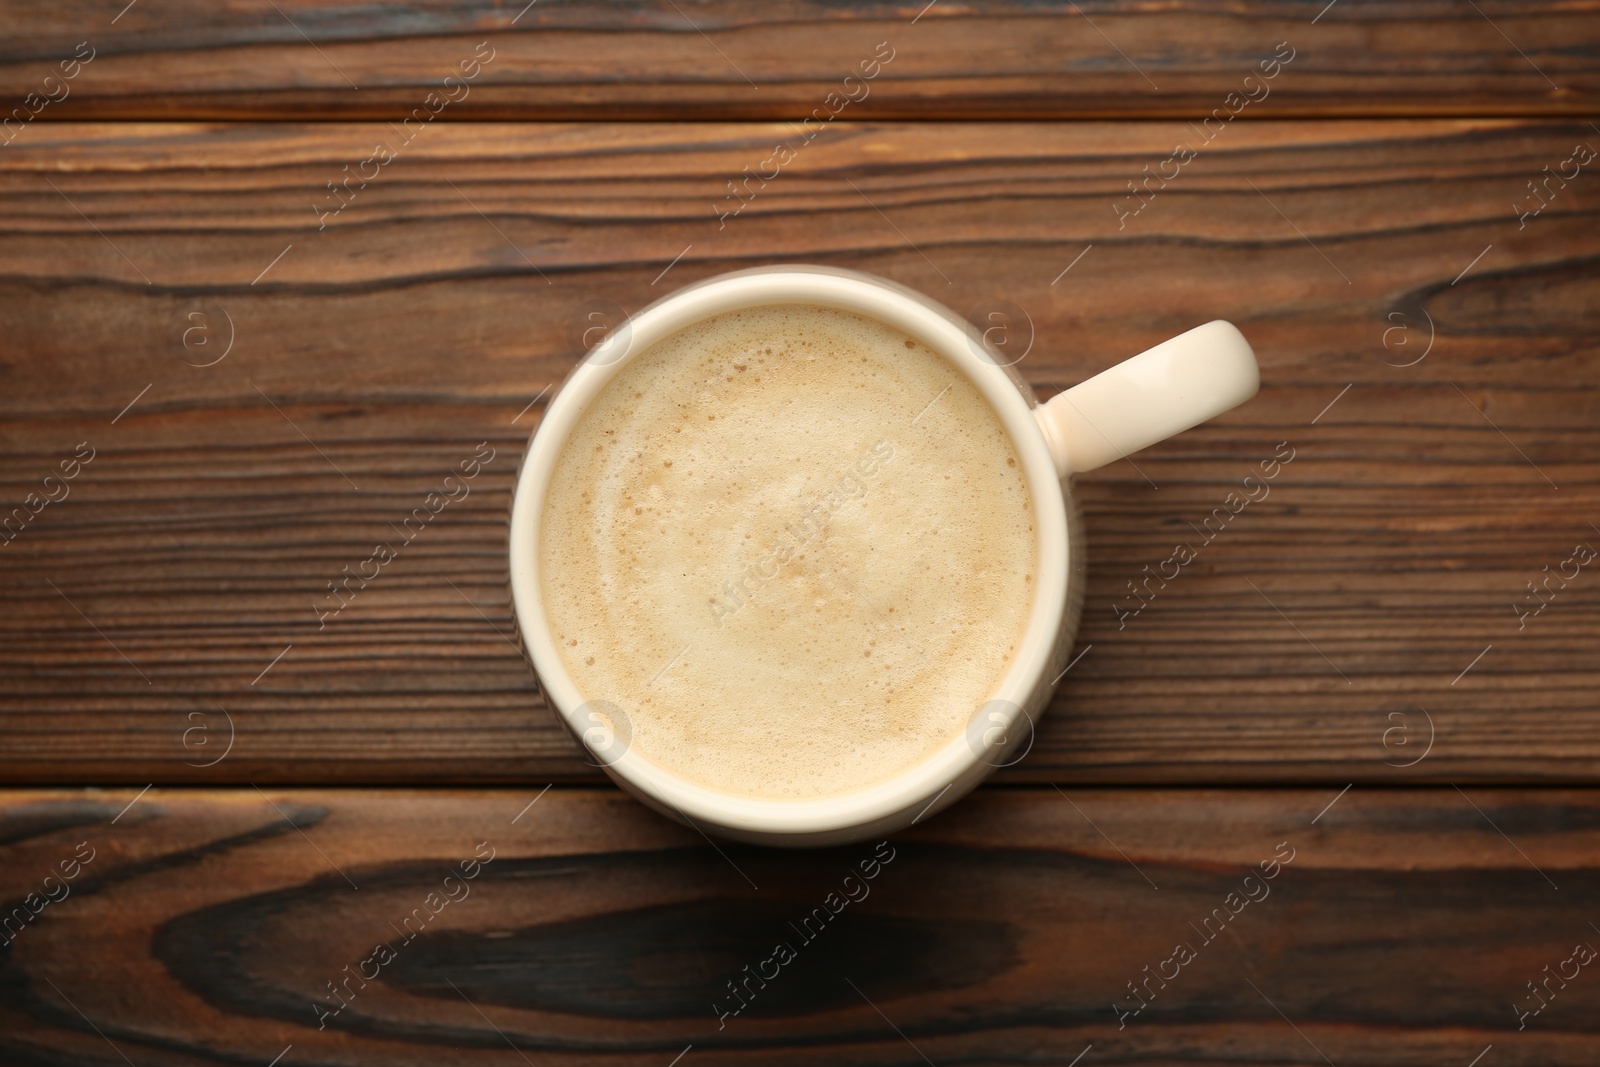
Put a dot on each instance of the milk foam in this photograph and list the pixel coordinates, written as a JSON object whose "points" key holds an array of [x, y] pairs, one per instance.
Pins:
{"points": [[794, 546]]}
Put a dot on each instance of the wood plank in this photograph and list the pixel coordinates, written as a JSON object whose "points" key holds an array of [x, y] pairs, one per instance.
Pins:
{"points": [[1368, 601], [1396, 927], [723, 60]]}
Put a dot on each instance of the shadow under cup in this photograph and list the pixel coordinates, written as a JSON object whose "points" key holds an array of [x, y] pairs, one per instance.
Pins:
{"points": [[998, 731]]}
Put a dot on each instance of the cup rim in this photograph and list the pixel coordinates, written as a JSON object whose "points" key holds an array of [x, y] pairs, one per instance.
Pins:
{"points": [[946, 334]]}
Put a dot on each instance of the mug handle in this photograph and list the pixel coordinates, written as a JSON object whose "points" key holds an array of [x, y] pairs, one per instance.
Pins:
{"points": [[1177, 384]]}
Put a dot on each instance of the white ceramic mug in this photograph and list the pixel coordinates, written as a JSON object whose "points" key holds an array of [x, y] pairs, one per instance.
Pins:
{"points": [[1161, 392]]}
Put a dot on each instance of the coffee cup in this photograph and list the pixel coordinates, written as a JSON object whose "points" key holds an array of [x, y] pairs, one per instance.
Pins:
{"points": [[864, 514]]}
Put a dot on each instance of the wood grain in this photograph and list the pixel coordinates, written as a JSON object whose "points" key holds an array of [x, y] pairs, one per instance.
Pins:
{"points": [[1357, 625], [722, 60], [1400, 927]]}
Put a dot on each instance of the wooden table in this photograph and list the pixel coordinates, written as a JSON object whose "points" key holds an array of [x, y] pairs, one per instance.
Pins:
{"points": [[222, 379]]}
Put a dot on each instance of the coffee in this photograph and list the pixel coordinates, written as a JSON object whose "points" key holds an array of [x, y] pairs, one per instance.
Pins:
{"points": [[793, 546]]}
